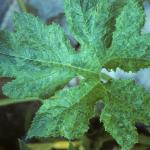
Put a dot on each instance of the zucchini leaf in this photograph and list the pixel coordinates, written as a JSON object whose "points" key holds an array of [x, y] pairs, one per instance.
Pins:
{"points": [[67, 113], [130, 49], [126, 105], [41, 61]]}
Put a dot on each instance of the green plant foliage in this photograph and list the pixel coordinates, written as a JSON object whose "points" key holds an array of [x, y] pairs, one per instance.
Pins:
{"points": [[68, 111], [126, 104], [128, 43], [42, 61]]}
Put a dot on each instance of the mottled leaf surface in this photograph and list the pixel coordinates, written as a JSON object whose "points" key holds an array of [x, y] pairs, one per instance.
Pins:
{"points": [[67, 113], [129, 46], [89, 21], [127, 104], [41, 61]]}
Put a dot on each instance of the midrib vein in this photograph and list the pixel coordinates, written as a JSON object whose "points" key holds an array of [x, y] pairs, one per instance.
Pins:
{"points": [[55, 63]]}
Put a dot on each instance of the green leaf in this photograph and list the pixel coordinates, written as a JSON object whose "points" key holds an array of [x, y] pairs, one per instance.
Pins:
{"points": [[128, 44], [4, 102], [127, 64], [111, 29], [89, 22], [126, 105], [67, 113], [128, 29], [84, 19], [40, 60]]}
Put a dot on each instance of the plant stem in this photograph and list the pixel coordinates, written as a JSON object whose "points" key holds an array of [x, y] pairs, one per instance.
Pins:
{"points": [[16, 101]]}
